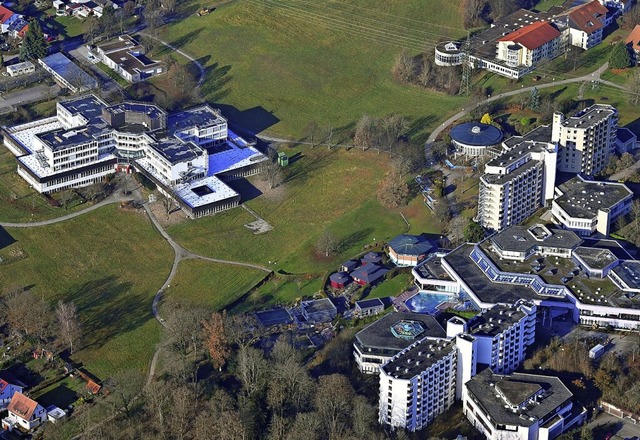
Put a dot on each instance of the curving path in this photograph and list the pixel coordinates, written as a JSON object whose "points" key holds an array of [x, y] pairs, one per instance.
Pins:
{"points": [[588, 77]]}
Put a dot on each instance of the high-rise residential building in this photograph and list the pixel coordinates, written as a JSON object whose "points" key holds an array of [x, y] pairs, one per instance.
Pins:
{"points": [[585, 140]]}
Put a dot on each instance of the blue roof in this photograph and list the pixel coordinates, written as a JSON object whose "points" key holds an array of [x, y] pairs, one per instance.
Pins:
{"points": [[476, 134], [68, 70]]}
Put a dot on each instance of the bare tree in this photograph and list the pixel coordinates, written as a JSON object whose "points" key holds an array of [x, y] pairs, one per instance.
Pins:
{"points": [[365, 133], [392, 127], [69, 325], [327, 244], [333, 400], [252, 369], [404, 68], [65, 198], [273, 174], [392, 191], [311, 131], [216, 340], [26, 314], [330, 132], [123, 388]]}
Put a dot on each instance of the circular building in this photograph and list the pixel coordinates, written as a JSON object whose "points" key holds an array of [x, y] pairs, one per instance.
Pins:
{"points": [[475, 138], [408, 250], [448, 54]]}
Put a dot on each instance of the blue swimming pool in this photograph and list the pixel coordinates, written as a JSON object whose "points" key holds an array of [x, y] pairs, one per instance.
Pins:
{"points": [[425, 302]]}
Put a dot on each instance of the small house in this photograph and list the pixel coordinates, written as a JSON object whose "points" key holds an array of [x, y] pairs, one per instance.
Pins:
{"points": [[24, 413], [7, 390], [54, 413], [319, 310], [369, 307], [368, 274], [21, 68], [371, 257], [633, 44], [349, 265], [339, 280]]}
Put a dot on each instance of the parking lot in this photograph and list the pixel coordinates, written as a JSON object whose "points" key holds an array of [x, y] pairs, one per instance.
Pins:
{"points": [[621, 429], [620, 343]]}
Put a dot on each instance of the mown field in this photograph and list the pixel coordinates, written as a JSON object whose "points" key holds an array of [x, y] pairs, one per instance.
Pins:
{"points": [[110, 263], [279, 65], [212, 285]]}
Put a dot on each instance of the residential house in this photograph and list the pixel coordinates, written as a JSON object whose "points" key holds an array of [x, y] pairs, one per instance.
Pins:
{"points": [[7, 390], [319, 310], [127, 58], [633, 44], [24, 413], [339, 279], [530, 44], [368, 274], [369, 307], [586, 24]]}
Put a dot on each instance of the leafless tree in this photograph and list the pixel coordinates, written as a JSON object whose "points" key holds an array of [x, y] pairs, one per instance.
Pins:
{"points": [[329, 133], [252, 369], [123, 388], [472, 11], [392, 191], [404, 68], [69, 325], [273, 174], [633, 86], [333, 400], [630, 19], [27, 314], [306, 426], [365, 134], [311, 131], [158, 404], [243, 329], [79, 80], [327, 244]]}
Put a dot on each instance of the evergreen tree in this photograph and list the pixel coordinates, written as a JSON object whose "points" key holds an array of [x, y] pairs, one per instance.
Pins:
{"points": [[473, 232], [34, 45], [619, 57], [534, 100]]}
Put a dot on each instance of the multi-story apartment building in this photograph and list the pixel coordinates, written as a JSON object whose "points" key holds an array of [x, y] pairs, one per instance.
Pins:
{"points": [[187, 154], [520, 406], [421, 382], [518, 182], [586, 24], [587, 207], [585, 140], [530, 44]]}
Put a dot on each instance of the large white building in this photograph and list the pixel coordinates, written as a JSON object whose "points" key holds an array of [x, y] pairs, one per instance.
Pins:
{"points": [[188, 154], [587, 207], [586, 23], [518, 182], [520, 406]]}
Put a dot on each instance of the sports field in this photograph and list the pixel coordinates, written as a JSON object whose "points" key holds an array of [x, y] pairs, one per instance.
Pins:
{"points": [[110, 263], [278, 65]]}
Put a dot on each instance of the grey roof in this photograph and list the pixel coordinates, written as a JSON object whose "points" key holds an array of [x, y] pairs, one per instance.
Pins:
{"points": [[476, 134], [584, 198], [61, 139], [350, 264], [612, 245], [407, 244], [419, 357], [629, 273], [499, 179], [318, 305], [624, 134], [339, 277], [517, 387], [516, 152], [369, 273], [89, 106], [201, 116], [175, 151], [151, 110], [590, 116], [495, 320], [595, 258], [519, 238], [68, 70], [369, 303], [482, 287], [538, 134], [378, 336]]}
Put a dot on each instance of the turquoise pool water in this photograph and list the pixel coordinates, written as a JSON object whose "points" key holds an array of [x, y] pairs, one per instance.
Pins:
{"points": [[426, 302]]}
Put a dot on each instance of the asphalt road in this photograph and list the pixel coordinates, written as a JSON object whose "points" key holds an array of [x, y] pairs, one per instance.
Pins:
{"points": [[27, 96]]}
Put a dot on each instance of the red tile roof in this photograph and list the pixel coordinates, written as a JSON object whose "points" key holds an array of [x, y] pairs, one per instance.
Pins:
{"points": [[22, 406], [533, 35], [5, 14], [634, 38], [3, 385], [588, 17]]}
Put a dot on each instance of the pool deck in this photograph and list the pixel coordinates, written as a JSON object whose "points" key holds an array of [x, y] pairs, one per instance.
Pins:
{"points": [[400, 301]]}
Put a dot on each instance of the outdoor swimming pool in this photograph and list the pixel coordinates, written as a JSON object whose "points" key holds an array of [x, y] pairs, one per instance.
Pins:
{"points": [[427, 302]]}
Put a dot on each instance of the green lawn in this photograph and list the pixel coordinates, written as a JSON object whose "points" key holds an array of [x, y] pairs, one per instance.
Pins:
{"points": [[291, 62], [393, 287], [280, 290], [325, 189], [110, 263], [113, 75], [545, 5], [210, 284]]}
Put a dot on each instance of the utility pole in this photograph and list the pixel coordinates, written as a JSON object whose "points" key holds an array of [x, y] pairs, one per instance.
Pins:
{"points": [[467, 68]]}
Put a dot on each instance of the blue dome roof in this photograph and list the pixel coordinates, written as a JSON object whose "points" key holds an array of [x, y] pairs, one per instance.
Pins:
{"points": [[476, 134]]}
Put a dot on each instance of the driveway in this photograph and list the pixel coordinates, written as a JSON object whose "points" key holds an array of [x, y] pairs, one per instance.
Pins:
{"points": [[620, 428]]}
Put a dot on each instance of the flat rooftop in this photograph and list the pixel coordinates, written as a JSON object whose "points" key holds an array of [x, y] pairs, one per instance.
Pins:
{"points": [[89, 106], [499, 179], [493, 391], [519, 238], [538, 134], [590, 116], [378, 335], [417, 358], [495, 321], [433, 269], [201, 116], [175, 151], [486, 290], [130, 61], [151, 110], [239, 154], [319, 305], [517, 152], [61, 139], [203, 192], [584, 198], [23, 134], [595, 258], [68, 70], [121, 42], [629, 273]]}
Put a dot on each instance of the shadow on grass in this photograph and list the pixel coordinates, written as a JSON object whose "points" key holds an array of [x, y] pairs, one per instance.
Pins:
{"points": [[248, 122], [217, 78], [186, 39], [354, 239], [107, 308], [5, 238], [304, 167], [245, 188], [61, 396]]}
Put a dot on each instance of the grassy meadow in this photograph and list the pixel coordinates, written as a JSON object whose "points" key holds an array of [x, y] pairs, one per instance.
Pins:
{"points": [[280, 65], [110, 263]]}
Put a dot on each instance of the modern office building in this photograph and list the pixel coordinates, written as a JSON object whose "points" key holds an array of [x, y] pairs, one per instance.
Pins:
{"points": [[125, 56], [587, 207], [518, 182], [585, 140], [188, 155], [520, 406], [475, 139], [530, 44]]}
